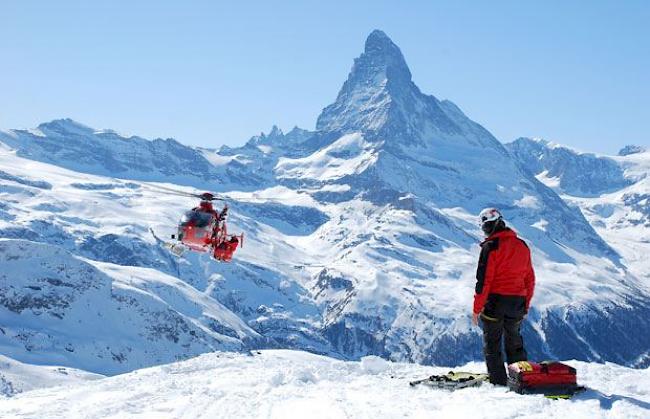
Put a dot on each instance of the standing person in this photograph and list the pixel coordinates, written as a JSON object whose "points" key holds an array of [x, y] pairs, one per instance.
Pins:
{"points": [[505, 282]]}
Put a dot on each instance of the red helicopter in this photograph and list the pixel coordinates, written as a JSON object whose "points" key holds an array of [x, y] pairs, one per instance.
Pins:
{"points": [[203, 229]]}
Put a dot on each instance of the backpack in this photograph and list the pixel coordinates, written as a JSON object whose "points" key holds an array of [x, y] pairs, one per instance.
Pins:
{"points": [[550, 378]]}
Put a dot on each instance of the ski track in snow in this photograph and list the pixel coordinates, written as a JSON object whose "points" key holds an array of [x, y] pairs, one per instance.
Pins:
{"points": [[293, 384]]}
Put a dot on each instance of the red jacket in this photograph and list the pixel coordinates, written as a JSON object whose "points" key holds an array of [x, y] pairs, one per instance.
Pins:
{"points": [[505, 268]]}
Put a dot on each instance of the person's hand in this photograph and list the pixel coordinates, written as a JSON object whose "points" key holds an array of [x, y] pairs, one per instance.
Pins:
{"points": [[475, 319]]}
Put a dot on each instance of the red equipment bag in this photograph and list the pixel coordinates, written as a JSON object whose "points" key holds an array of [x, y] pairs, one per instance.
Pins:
{"points": [[548, 377]]}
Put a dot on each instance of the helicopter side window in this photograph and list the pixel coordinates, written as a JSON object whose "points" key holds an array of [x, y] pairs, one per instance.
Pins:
{"points": [[197, 218]]}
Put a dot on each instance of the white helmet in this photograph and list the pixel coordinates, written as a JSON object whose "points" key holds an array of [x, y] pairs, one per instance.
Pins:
{"points": [[489, 214]]}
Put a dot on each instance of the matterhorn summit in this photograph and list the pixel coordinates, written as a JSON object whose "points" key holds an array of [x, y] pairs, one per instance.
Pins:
{"points": [[378, 82], [380, 98]]}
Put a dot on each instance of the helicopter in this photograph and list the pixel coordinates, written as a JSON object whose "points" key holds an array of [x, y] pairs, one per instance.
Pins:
{"points": [[202, 229]]}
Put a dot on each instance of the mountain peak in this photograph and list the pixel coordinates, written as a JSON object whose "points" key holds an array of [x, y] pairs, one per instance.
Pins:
{"points": [[378, 35], [379, 45], [66, 126], [381, 57], [380, 99], [275, 132], [631, 149], [378, 75]]}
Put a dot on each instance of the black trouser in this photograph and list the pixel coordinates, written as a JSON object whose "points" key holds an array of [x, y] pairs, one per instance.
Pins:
{"points": [[502, 315]]}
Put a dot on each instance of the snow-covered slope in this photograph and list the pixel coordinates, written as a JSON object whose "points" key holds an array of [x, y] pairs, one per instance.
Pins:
{"points": [[85, 284], [576, 173], [288, 384], [622, 217], [17, 377], [617, 202], [60, 309], [361, 236]]}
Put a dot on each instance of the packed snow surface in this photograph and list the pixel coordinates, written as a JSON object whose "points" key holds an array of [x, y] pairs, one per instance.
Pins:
{"points": [[16, 377], [292, 384]]}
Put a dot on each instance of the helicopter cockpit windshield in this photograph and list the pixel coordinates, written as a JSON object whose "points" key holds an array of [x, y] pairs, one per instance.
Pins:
{"points": [[198, 219]]}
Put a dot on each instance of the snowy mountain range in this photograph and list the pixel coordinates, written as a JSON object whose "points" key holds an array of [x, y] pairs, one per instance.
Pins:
{"points": [[579, 174], [361, 238], [611, 191]]}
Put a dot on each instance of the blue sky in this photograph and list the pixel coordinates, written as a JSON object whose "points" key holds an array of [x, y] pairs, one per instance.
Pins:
{"points": [[211, 72]]}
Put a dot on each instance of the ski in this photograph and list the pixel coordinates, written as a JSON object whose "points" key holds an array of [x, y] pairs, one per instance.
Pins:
{"points": [[563, 394], [452, 380]]}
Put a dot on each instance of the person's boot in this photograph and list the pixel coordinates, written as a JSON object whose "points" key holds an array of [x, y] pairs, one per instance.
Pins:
{"points": [[496, 370]]}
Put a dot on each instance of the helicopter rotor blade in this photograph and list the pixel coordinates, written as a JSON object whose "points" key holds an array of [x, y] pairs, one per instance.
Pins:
{"points": [[207, 196]]}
